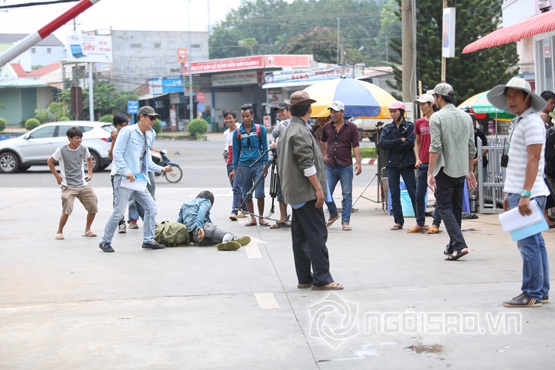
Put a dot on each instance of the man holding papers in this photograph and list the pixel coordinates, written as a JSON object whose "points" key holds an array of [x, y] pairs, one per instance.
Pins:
{"points": [[524, 182], [133, 161]]}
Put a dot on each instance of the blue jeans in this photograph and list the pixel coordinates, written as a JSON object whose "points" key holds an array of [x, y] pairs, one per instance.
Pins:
{"points": [[421, 186], [248, 177], [236, 188], [535, 264], [343, 174], [394, 175], [449, 199], [144, 198], [136, 211], [114, 197]]}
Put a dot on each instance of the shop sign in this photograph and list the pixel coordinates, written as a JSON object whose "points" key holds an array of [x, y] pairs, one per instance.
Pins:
{"points": [[238, 78]]}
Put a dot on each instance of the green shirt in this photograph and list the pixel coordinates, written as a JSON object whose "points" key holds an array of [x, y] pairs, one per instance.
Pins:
{"points": [[453, 138]]}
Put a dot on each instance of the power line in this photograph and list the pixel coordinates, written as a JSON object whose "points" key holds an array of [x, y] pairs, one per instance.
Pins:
{"points": [[25, 5]]}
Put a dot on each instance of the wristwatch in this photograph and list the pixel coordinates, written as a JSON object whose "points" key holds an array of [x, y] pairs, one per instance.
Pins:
{"points": [[525, 193]]}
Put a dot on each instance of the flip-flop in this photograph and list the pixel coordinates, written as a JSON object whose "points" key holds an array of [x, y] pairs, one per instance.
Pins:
{"points": [[454, 257], [331, 220], [396, 227], [277, 225], [89, 234], [263, 223], [416, 229], [330, 286], [60, 236], [304, 285], [346, 227], [251, 223], [233, 217], [433, 230]]}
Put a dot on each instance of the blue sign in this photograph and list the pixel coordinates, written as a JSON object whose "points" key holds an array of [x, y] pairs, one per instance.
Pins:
{"points": [[132, 106]]}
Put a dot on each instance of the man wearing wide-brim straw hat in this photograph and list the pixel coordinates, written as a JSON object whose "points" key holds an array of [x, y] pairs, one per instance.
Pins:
{"points": [[524, 182], [303, 185]]}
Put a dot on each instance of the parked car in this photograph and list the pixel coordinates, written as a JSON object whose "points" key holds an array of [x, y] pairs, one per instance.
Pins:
{"points": [[36, 146]]}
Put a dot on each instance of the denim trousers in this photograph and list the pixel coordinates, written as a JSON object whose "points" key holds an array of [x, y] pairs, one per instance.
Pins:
{"points": [[136, 211], [344, 175], [248, 178], [236, 189], [449, 197], [143, 198], [394, 175], [114, 197], [421, 187], [535, 264]]}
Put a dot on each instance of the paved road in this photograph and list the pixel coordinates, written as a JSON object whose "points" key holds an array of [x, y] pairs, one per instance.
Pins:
{"points": [[67, 305]]}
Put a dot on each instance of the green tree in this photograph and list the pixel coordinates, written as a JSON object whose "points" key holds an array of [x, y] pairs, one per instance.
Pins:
{"points": [[468, 73]]}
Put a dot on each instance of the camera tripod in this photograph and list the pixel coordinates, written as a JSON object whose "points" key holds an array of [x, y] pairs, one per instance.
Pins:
{"points": [[272, 167]]}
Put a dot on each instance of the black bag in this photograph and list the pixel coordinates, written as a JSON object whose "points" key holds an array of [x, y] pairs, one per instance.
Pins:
{"points": [[550, 153]]}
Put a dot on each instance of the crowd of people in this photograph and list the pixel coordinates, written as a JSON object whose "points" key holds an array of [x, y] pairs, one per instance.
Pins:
{"points": [[438, 152]]}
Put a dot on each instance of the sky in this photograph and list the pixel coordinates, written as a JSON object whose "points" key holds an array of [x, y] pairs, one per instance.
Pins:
{"points": [[144, 15]]}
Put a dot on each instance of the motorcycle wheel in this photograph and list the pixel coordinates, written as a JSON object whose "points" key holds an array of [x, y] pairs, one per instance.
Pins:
{"points": [[175, 175]]}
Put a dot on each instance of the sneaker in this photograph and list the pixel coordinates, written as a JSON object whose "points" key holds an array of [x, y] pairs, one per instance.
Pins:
{"points": [[133, 224], [153, 245], [545, 299], [522, 300], [229, 246], [106, 247], [244, 240], [122, 229]]}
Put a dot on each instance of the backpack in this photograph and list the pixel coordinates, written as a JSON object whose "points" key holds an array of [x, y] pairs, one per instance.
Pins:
{"points": [[258, 132], [171, 234], [550, 153]]}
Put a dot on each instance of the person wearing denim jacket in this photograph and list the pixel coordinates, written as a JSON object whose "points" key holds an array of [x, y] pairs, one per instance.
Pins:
{"points": [[131, 157]]}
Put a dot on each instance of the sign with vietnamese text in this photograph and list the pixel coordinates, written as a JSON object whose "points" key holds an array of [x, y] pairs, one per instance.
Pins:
{"points": [[234, 79], [89, 49]]}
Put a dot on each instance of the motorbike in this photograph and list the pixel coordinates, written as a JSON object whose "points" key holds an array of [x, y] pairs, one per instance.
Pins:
{"points": [[161, 159]]}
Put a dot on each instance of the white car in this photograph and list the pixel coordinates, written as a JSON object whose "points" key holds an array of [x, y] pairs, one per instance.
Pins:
{"points": [[36, 146]]}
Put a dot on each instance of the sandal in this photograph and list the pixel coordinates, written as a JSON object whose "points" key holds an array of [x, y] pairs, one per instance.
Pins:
{"points": [[396, 227], [60, 236], [263, 223], [251, 223], [433, 230], [233, 217], [416, 229], [459, 254], [330, 286], [277, 225], [304, 285], [346, 227], [331, 220], [89, 234]]}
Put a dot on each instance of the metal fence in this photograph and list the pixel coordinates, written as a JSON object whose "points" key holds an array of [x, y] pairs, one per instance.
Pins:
{"points": [[490, 183]]}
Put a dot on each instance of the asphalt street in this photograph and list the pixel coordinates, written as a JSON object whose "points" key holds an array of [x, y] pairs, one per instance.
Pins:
{"points": [[67, 305]]}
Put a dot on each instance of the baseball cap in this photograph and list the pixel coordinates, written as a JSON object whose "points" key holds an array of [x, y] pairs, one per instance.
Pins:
{"points": [[148, 111], [425, 98], [337, 106], [282, 105], [443, 89]]}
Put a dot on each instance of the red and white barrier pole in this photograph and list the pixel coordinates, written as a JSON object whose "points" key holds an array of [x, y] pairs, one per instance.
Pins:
{"points": [[36, 37]]}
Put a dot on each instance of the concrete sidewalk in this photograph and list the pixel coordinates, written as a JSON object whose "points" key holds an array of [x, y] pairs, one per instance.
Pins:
{"points": [[67, 305]]}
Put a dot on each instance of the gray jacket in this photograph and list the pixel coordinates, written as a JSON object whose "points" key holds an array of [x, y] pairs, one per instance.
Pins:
{"points": [[298, 150]]}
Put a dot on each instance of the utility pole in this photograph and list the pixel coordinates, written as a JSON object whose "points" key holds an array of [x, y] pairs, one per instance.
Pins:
{"points": [[337, 40], [407, 50], [443, 59]]}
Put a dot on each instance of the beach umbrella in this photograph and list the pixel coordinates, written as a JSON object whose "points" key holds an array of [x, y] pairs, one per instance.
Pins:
{"points": [[361, 99], [480, 106]]}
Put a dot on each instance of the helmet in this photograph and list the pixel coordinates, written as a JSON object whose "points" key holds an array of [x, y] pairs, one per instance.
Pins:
{"points": [[397, 105]]}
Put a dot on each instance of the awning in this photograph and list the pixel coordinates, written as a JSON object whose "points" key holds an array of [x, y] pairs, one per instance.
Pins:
{"points": [[535, 25]]}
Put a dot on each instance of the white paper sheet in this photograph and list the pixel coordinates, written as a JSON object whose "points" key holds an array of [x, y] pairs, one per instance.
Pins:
{"points": [[513, 220], [138, 185]]}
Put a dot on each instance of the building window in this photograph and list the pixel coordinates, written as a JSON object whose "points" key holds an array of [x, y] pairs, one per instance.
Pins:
{"points": [[33, 51], [48, 50], [195, 46], [158, 45], [136, 46]]}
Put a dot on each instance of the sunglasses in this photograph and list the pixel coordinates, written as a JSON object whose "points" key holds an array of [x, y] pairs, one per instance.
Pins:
{"points": [[152, 118]]}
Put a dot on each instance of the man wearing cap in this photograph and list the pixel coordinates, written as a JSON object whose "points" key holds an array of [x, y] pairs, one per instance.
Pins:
{"points": [[284, 117], [339, 139], [452, 152], [132, 157], [422, 153], [302, 171], [524, 182]]}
